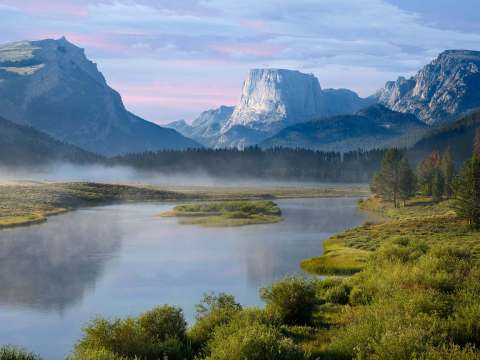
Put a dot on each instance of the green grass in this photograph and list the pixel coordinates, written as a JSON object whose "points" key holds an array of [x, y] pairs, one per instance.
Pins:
{"points": [[338, 259], [421, 219], [227, 213]]}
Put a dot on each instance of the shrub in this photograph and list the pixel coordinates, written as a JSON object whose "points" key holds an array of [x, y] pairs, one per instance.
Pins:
{"points": [[9, 352], [449, 352], [163, 323], [213, 311], [402, 250], [359, 295], [96, 354], [252, 342], [338, 294], [157, 333], [465, 324], [383, 331], [292, 299]]}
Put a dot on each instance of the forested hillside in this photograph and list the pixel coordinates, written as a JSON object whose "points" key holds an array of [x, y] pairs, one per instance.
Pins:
{"points": [[24, 146], [457, 135]]}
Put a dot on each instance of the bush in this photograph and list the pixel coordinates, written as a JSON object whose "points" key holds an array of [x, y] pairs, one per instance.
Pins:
{"points": [[359, 296], [338, 294], [292, 299], [9, 352], [401, 250], [449, 352], [96, 354], [157, 333], [252, 342], [383, 331], [213, 311]]}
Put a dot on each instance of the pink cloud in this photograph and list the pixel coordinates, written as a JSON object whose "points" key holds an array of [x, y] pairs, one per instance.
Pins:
{"points": [[176, 95]]}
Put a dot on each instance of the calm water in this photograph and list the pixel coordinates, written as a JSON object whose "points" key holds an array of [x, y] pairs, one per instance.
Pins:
{"points": [[121, 260]]}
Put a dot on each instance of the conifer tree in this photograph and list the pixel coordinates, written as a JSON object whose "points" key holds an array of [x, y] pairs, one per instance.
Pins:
{"points": [[407, 182], [448, 172], [386, 182], [438, 185], [467, 188], [426, 172]]}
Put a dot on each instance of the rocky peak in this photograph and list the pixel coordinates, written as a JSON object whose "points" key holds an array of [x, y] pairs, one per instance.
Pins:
{"points": [[440, 91], [274, 96]]}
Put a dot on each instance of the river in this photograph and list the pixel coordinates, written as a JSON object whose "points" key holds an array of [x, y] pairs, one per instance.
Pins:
{"points": [[121, 260]]}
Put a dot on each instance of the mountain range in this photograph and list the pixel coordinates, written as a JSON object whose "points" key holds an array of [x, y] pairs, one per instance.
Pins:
{"points": [[281, 107], [52, 86]]}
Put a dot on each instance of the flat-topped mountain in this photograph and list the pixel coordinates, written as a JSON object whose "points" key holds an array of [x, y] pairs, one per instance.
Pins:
{"points": [[370, 128], [271, 100], [440, 91], [274, 98], [53, 87]]}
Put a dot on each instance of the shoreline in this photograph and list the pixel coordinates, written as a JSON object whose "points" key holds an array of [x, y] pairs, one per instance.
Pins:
{"points": [[24, 203]]}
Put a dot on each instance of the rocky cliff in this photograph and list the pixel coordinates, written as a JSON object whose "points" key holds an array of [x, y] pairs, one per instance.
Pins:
{"points": [[439, 92]]}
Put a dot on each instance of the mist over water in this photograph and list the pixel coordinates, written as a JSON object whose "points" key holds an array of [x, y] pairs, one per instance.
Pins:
{"points": [[121, 260], [125, 174]]}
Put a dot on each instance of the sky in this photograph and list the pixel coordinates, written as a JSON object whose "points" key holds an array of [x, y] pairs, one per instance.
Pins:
{"points": [[172, 59]]}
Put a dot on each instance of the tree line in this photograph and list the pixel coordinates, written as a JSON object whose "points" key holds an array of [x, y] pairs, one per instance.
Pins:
{"points": [[254, 162], [436, 177]]}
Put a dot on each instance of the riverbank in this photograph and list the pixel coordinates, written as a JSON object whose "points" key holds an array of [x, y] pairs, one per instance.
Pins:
{"points": [[32, 202], [434, 223]]}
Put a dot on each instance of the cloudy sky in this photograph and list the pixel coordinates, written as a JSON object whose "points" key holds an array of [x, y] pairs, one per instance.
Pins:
{"points": [[173, 59]]}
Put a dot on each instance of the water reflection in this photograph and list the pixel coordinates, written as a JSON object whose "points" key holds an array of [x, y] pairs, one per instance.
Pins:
{"points": [[51, 267], [121, 260]]}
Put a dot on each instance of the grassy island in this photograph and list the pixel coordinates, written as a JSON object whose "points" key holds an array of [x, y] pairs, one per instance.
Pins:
{"points": [[227, 213]]}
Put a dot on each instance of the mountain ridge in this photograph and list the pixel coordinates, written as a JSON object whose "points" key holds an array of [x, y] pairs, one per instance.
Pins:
{"points": [[371, 128], [440, 91], [52, 86]]}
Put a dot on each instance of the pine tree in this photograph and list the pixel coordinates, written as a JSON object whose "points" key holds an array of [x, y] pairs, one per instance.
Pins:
{"points": [[386, 182], [448, 172], [438, 183], [407, 182], [427, 170], [467, 188]]}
